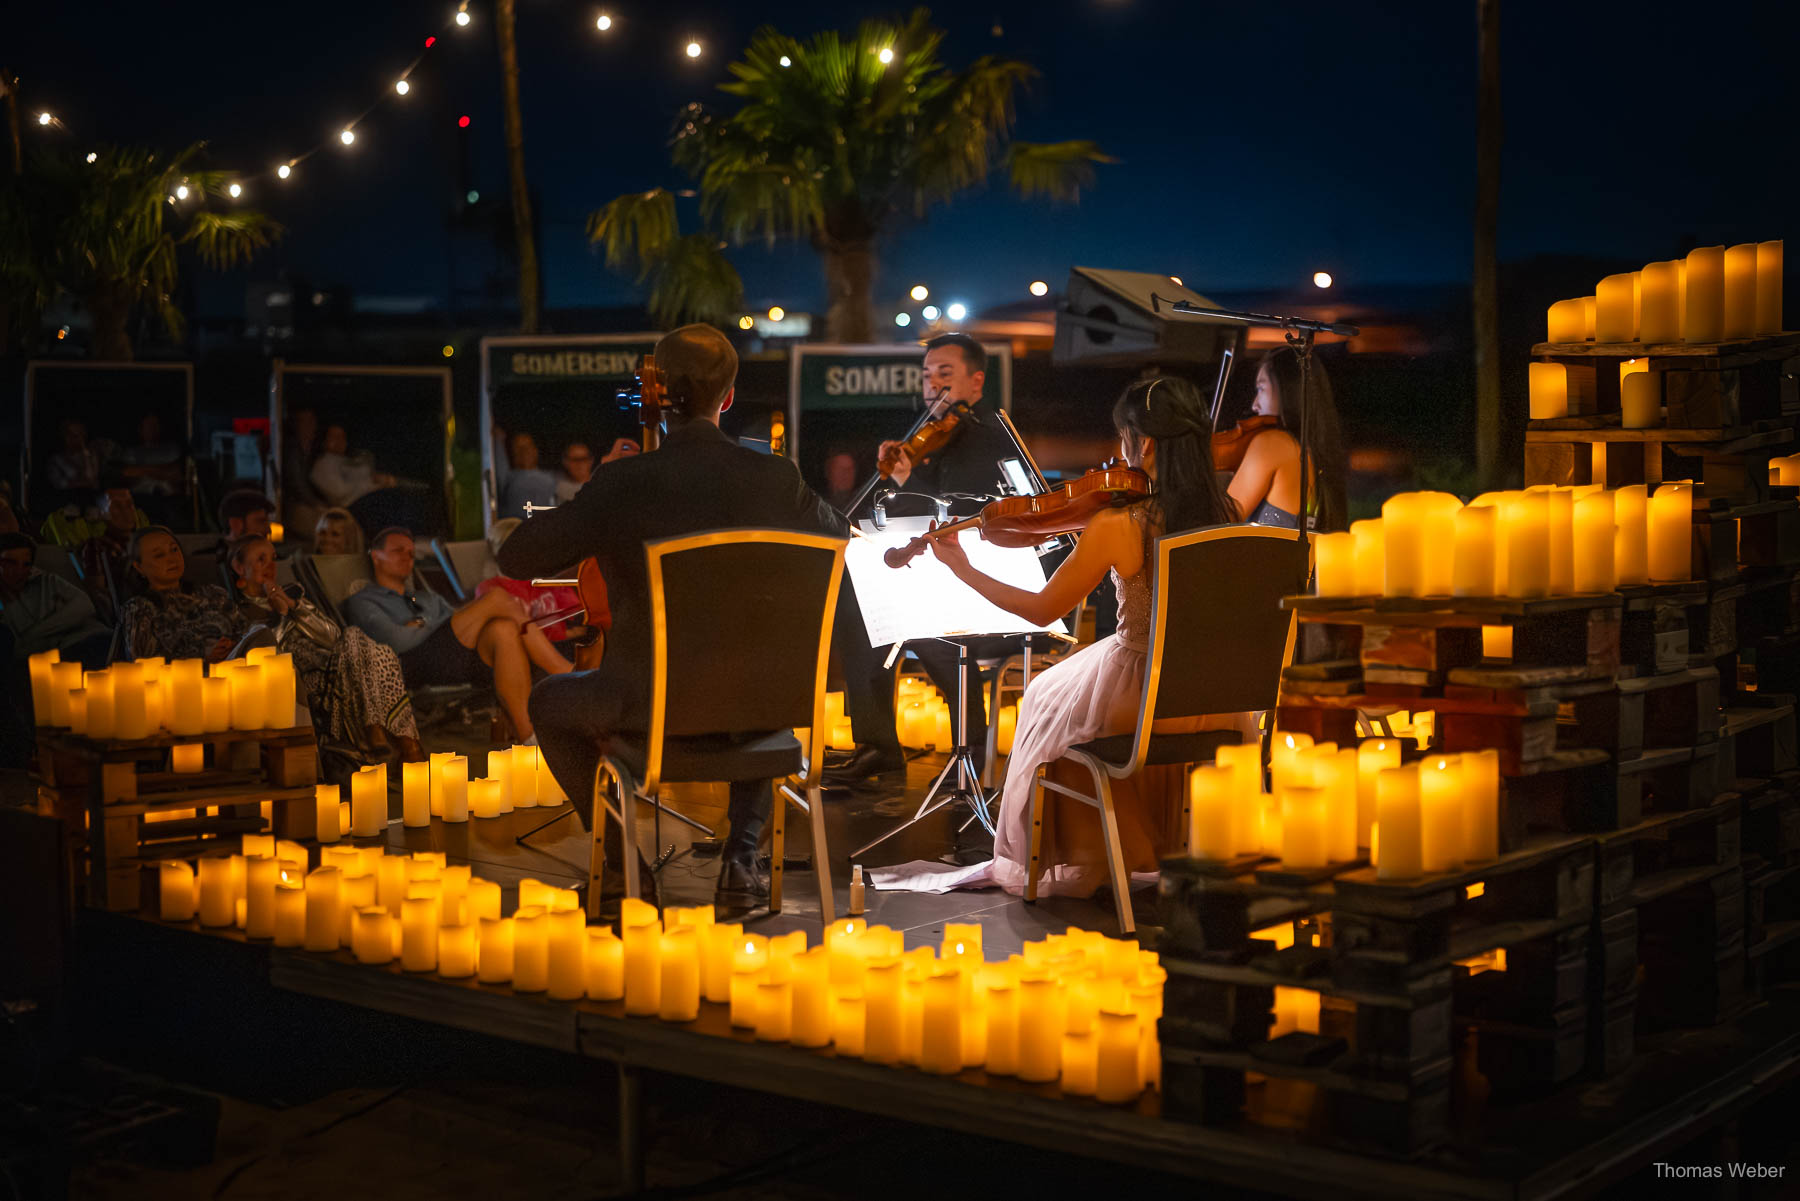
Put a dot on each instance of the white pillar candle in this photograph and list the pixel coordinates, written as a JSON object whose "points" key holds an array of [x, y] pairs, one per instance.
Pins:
{"points": [[494, 957], [1672, 533], [290, 913], [131, 711], [1595, 536], [1740, 291], [1567, 321], [1287, 760], [101, 723], [1659, 313], [177, 898], [456, 951], [187, 714], [1116, 1078], [218, 897], [1373, 756], [281, 692], [64, 679], [521, 777], [643, 968], [1525, 527], [1476, 527], [356, 890], [249, 708], [1305, 835], [1336, 564], [260, 874], [1768, 287], [1616, 319], [215, 704], [1481, 805], [39, 666], [605, 965], [1703, 312], [325, 812], [1403, 545], [454, 783], [1371, 563], [1590, 316], [1437, 511], [415, 794], [484, 798], [1335, 772], [368, 803], [678, 997], [187, 758], [1631, 542], [418, 933], [1548, 386], [1440, 813], [1209, 812], [1245, 765], [323, 920], [1560, 513], [372, 935], [1640, 400], [811, 997], [77, 704], [1397, 810]]}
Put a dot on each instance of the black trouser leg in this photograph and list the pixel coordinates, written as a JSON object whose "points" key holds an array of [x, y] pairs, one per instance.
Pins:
{"points": [[868, 685], [751, 803]]}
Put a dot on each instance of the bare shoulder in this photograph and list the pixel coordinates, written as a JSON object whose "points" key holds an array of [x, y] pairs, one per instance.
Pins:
{"points": [[1273, 445]]}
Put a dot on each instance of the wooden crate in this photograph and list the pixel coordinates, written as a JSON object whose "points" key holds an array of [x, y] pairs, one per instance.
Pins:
{"points": [[1706, 385], [1653, 632], [116, 786]]}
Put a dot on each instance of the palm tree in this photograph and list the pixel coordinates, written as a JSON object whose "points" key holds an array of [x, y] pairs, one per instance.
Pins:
{"points": [[1485, 282], [529, 288], [837, 141], [109, 233]]}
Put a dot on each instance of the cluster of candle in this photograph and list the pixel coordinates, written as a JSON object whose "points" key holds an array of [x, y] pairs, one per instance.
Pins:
{"points": [[1640, 393], [1324, 800], [1076, 1007], [134, 700], [518, 778], [1715, 294], [922, 719], [1544, 541]]}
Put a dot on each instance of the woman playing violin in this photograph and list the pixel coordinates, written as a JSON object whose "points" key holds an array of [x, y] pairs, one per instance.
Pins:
{"points": [[1164, 431], [1266, 486]]}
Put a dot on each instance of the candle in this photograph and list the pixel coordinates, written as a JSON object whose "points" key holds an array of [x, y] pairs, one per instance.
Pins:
{"points": [[188, 757], [1560, 512], [940, 1047], [1371, 566], [1041, 1022], [437, 759], [521, 775], [325, 812], [78, 721], [372, 936], [1548, 385], [131, 713], [881, 1011], [643, 969], [812, 998], [260, 872], [99, 688], [356, 890], [1703, 298], [1525, 527], [1631, 541], [1116, 1038], [280, 692], [484, 798], [248, 704], [215, 704], [323, 887], [1403, 545], [1496, 642], [1640, 400], [1659, 313], [1473, 572], [1288, 763], [453, 786], [290, 913], [1336, 564], [40, 666], [912, 1018], [775, 1007], [942, 736], [494, 957], [1210, 795], [719, 942], [1481, 805], [1001, 998], [531, 950], [176, 900], [418, 933], [1672, 532], [604, 965], [1336, 774], [1440, 813], [1245, 764], [1078, 1064], [1397, 809], [1614, 320], [1768, 287], [1740, 291], [415, 794], [64, 679], [368, 803], [567, 949], [1305, 839], [1595, 530], [218, 899], [1567, 322]]}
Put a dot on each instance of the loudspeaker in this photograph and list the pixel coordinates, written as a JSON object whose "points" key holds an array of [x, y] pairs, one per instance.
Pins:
{"points": [[1109, 317]]}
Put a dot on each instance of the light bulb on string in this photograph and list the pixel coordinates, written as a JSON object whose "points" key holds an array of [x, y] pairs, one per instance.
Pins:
{"points": [[462, 17], [283, 171], [786, 61], [235, 190], [347, 137], [1321, 279], [746, 322], [776, 312], [45, 118], [402, 87], [603, 22], [693, 49], [92, 157], [920, 292], [886, 55], [1039, 288], [181, 192]]}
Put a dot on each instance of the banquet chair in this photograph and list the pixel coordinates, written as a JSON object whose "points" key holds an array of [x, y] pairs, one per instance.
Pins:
{"points": [[1218, 640], [725, 699]]}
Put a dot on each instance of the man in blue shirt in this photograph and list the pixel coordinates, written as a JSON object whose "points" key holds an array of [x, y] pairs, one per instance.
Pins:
{"points": [[480, 643], [521, 479]]}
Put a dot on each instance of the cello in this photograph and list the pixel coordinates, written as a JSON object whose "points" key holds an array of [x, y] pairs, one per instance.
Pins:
{"points": [[1016, 521]]}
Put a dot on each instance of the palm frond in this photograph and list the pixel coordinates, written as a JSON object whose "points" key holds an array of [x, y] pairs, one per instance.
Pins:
{"points": [[228, 239], [635, 229], [1057, 171], [694, 281]]}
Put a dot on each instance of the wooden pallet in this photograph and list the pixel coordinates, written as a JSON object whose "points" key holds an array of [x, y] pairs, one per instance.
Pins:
{"points": [[1706, 385], [1732, 462], [116, 786]]}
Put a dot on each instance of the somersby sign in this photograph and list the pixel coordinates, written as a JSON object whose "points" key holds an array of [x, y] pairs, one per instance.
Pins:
{"points": [[551, 362], [829, 377]]}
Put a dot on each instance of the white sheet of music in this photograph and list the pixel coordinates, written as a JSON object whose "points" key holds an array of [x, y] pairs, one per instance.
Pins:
{"points": [[924, 600]]}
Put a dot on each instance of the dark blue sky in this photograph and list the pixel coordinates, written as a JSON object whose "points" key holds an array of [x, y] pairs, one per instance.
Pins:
{"points": [[1258, 141]]}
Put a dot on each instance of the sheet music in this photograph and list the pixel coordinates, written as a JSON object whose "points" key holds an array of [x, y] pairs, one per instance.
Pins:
{"points": [[924, 600]]}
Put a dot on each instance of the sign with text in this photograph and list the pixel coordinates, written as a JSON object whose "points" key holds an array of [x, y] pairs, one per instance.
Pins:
{"points": [[600, 359], [862, 383]]}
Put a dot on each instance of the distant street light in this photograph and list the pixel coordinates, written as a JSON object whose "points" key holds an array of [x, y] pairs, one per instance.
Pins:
{"points": [[957, 312], [1039, 288], [920, 292], [903, 319], [776, 312], [929, 312], [1321, 279]]}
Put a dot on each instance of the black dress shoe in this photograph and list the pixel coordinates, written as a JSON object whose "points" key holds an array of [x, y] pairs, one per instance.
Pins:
{"points": [[866, 763], [742, 887]]}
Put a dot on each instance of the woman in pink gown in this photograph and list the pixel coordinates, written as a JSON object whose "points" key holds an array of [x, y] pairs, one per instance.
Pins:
{"points": [[1163, 429]]}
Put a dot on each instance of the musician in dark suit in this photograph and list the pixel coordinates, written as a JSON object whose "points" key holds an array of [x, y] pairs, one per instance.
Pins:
{"points": [[955, 370], [698, 480]]}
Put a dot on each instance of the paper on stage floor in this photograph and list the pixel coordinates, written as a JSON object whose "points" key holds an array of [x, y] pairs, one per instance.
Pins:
{"points": [[924, 600]]}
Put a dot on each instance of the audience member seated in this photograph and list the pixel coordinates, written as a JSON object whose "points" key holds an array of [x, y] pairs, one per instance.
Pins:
{"points": [[103, 557], [154, 467], [73, 472], [479, 643], [170, 618], [301, 503], [519, 477], [540, 603], [337, 533], [352, 683], [243, 512], [45, 611], [342, 478], [578, 466], [840, 478]]}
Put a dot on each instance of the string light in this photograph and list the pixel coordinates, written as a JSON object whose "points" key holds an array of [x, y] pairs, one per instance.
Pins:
{"points": [[45, 118], [693, 49], [462, 17], [1039, 288], [903, 319], [603, 23], [236, 190], [746, 322], [957, 312], [1321, 279], [929, 312], [402, 87], [886, 55], [92, 157], [181, 192], [920, 292], [347, 137], [776, 312], [449, 351], [284, 171], [786, 61]]}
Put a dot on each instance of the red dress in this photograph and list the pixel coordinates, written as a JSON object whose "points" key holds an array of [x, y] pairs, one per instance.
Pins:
{"points": [[541, 602]]}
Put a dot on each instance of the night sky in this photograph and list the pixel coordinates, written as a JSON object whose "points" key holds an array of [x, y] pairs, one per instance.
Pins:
{"points": [[1258, 142]]}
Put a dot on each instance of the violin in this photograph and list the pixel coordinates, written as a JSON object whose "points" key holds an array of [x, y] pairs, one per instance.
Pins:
{"points": [[928, 439], [1228, 446], [1015, 521]]}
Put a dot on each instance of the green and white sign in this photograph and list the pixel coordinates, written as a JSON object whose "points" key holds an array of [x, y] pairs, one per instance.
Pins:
{"points": [[593, 358], [828, 377]]}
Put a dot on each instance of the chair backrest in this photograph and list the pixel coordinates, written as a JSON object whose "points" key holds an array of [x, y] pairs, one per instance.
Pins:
{"points": [[57, 560], [1218, 634], [333, 575], [741, 623], [465, 564]]}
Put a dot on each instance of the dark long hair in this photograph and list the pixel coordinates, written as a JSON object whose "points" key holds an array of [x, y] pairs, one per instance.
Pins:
{"points": [[1324, 437], [1168, 409]]}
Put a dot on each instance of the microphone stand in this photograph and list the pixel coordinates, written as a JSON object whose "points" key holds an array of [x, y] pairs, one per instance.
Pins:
{"points": [[1300, 332], [862, 493]]}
